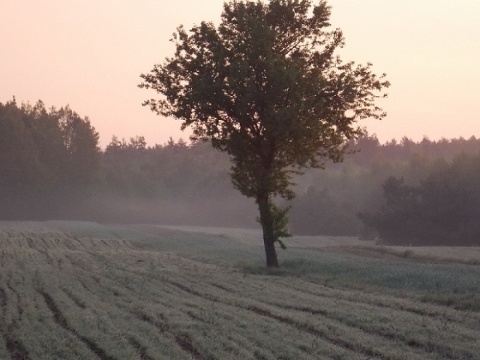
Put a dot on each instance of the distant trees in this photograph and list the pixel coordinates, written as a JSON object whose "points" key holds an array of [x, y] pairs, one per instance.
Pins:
{"points": [[175, 170], [19, 162], [443, 209], [417, 193], [323, 212], [124, 169], [80, 145], [45, 157], [328, 201]]}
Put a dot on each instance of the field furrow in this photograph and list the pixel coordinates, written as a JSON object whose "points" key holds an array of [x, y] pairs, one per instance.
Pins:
{"points": [[16, 349], [368, 319], [67, 295], [394, 302]]}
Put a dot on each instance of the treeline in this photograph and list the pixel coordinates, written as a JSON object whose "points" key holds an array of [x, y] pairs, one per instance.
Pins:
{"points": [[174, 183], [331, 200], [443, 209], [51, 166], [48, 160]]}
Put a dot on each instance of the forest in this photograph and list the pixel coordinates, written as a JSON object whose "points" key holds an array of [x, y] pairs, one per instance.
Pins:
{"points": [[400, 192]]}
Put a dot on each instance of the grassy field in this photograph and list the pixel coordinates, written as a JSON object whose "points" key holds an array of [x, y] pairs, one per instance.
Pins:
{"points": [[72, 290]]}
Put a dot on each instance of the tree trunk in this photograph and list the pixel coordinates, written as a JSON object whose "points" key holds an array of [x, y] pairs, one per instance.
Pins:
{"points": [[266, 220]]}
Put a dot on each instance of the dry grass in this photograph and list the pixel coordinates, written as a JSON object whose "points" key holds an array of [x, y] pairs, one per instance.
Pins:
{"points": [[153, 293]]}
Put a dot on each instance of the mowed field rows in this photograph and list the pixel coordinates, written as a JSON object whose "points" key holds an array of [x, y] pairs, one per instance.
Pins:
{"points": [[83, 291]]}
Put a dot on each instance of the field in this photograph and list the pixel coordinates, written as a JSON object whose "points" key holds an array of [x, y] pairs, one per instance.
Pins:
{"points": [[71, 290]]}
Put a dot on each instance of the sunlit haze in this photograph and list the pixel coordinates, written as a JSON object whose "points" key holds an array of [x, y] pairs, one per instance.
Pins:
{"points": [[90, 54]]}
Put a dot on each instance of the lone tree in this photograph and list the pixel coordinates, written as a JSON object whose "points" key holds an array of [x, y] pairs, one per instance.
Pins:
{"points": [[266, 87]]}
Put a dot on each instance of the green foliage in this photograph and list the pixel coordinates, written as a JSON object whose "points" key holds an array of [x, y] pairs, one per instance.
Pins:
{"points": [[266, 87], [280, 223]]}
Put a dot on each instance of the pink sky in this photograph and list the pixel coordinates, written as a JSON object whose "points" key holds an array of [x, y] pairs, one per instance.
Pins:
{"points": [[89, 54]]}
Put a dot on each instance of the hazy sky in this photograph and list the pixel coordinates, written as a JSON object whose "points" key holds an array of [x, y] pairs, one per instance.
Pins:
{"points": [[89, 54]]}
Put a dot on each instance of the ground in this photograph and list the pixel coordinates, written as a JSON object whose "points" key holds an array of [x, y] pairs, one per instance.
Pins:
{"points": [[74, 290]]}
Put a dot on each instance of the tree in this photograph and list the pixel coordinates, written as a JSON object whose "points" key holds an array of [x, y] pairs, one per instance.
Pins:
{"points": [[266, 87], [443, 209], [400, 220], [19, 164], [80, 140], [44, 155]]}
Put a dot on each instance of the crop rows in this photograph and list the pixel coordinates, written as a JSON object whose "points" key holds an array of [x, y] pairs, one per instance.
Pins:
{"points": [[63, 297]]}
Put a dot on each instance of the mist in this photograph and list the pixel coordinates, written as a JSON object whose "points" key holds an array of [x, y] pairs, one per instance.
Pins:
{"points": [[51, 167]]}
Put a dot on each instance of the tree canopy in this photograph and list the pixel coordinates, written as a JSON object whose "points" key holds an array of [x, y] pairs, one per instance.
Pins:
{"points": [[267, 87], [46, 157]]}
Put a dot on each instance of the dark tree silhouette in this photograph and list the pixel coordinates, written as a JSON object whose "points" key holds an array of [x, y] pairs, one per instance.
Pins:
{"points": [[266, 87]]}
